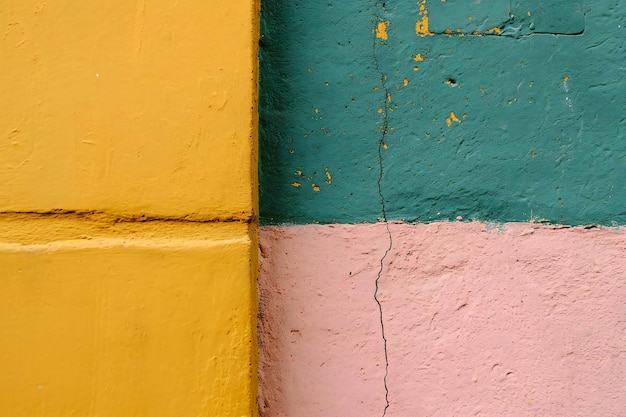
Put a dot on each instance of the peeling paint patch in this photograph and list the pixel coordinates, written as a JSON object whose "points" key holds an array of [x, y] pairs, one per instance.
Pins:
{"points": [[381, 30], [421, 27], [452, 118], [329, 178]]}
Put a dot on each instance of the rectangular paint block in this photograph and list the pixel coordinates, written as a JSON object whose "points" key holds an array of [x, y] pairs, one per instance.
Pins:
{"points": [[504, 17], [127, 327], [549, 16], [466, 17]]}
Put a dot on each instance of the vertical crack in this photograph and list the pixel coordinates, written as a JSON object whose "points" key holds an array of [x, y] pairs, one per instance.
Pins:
{"points": [[382, 145]]}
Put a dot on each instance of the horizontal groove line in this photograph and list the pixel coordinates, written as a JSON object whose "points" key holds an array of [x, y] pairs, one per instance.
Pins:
{"points": [[120, 218]]}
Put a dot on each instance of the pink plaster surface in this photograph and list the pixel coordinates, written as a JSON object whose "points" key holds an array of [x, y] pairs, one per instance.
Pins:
{"points": [[480, 320]]}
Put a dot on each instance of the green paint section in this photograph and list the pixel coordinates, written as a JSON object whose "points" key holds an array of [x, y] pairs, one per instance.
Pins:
{"points": [[523, 121], [513, 18], [467, 16]]}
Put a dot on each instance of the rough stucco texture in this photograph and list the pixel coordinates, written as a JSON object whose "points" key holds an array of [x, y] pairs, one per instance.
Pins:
{"points": [[494, 111], [480, 319]]}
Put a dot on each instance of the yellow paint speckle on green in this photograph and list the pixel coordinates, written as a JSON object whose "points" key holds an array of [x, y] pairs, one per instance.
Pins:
{"points": [[452, 118], [381, 30], [421, 27]]}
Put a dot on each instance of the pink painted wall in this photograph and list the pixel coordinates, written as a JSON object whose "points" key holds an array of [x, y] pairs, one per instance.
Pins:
{"points": [[513, 320]]}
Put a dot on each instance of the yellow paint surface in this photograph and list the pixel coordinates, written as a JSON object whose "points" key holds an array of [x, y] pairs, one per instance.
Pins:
{"points": [[127, 326], [127, 210], [133, 106]]}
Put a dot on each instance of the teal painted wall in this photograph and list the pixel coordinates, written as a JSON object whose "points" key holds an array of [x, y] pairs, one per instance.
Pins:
{"points": [[505, 111]]}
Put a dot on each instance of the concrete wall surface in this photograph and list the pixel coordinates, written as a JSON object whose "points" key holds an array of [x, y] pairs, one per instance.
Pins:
{"points": [[499, 111], [443, 206], [127, 208], [474, 320]]}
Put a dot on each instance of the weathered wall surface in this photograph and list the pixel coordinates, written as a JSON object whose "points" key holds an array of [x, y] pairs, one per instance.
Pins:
{"points": [[490, 122], [505, 113], [127, 208], [514, 320]]}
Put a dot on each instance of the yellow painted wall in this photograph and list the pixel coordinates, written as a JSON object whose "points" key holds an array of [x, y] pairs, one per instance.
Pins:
{"points": [[128, 208], [140, 106]]}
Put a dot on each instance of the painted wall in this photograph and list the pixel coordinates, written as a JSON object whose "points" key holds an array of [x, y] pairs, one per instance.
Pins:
{"points": [[127, 208], [465, 161], [513, 320], [476, 115]]}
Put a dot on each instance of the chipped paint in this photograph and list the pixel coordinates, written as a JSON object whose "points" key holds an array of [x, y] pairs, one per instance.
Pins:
{"points": [[421, 26], [452, 118], [381, 30], [501, 82]]}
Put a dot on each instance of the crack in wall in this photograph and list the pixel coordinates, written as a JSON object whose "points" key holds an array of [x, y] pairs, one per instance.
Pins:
{"points": [[506, 31], [382, 145]]}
